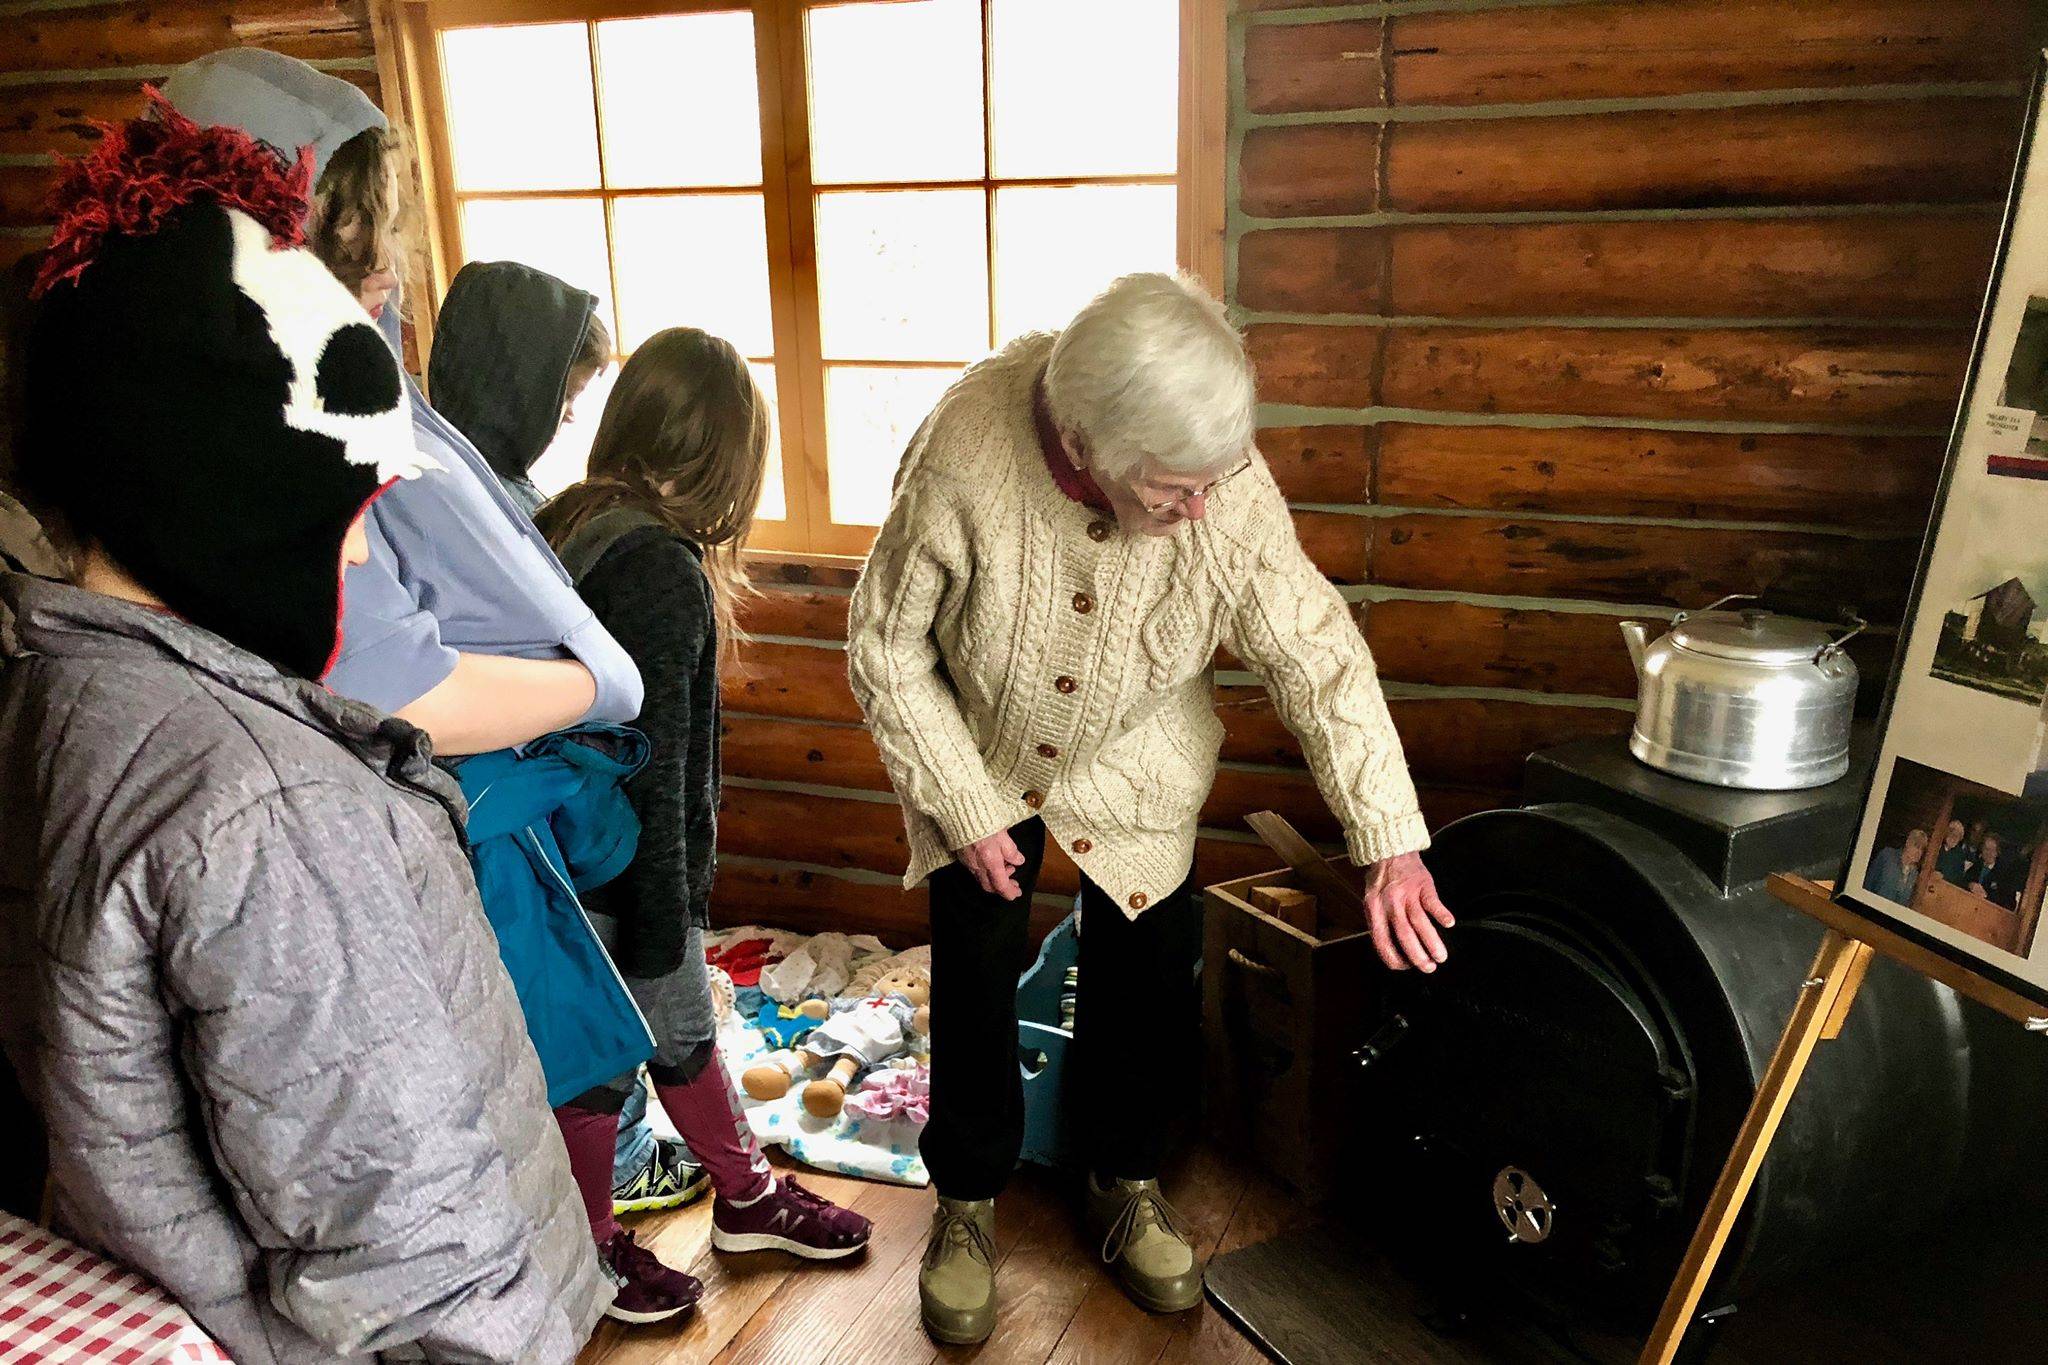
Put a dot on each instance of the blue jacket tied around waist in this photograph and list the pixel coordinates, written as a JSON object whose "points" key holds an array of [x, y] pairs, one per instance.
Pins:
{"points": [[547, 821]]}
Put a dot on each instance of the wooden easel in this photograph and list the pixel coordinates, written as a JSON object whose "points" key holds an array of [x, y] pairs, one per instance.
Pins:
{"points": [[1822, 1008]]}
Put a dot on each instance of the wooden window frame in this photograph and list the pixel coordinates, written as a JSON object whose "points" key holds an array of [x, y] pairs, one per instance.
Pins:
{"points": [[409, 61]]}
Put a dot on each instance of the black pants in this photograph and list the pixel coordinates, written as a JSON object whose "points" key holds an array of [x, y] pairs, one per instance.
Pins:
{"points": [[1137, 1028]]}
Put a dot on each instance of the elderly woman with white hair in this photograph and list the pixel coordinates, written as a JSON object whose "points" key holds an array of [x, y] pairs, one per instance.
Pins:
{"points": [[1076, 529]]}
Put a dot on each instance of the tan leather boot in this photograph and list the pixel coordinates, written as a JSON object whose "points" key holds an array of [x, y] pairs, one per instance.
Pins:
{"points": [[1147, 1243], [957, 1286]]}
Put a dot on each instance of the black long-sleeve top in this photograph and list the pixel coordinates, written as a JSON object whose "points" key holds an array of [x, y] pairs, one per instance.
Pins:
{"points": [[650, 591]]}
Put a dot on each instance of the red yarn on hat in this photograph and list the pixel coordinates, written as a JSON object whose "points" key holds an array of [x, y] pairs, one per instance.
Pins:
{"points": [[149, 168]]}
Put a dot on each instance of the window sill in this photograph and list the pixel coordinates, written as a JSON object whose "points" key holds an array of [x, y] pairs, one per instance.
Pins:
{"points": [[787, 568]]}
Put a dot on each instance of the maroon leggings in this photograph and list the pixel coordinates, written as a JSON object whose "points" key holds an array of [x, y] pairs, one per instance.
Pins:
{"points": [[706, 1111]]}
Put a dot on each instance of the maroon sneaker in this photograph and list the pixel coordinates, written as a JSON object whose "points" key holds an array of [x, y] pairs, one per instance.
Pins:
{"points": [[789, 1218], [648, 1290]]}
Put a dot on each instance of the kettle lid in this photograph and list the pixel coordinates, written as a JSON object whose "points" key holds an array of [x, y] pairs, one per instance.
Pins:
{"points": [[1752, 636]]}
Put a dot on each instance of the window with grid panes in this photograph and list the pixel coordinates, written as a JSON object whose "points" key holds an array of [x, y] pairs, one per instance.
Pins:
{"points": [[863, 197]]}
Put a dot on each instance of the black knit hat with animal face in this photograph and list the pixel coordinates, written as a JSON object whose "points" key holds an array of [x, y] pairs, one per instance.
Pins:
{"points": [[203, 401]]}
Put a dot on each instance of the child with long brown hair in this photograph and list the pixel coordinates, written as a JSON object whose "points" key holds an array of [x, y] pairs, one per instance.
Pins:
{"points": [[652, 536]]}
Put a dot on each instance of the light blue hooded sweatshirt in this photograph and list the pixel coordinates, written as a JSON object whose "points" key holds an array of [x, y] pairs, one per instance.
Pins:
{"points": [[455, 565]]}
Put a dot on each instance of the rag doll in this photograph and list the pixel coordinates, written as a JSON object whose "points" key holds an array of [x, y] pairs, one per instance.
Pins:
{"points": [[868, 975], [908, 980], [855, 1039]]}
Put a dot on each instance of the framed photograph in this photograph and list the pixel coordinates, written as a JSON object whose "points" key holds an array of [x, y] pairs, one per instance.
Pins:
{"points": [[1952, 845]]}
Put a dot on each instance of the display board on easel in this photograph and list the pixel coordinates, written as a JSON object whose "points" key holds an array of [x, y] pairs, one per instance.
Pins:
{"points": [[1949, 869], [1952, 850]]}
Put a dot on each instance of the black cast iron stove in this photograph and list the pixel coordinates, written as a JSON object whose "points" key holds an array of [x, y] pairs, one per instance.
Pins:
{"points": [[1543, 1119]]}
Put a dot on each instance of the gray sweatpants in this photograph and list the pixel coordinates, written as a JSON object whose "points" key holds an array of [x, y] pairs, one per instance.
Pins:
{"points": [[678, 1008]]}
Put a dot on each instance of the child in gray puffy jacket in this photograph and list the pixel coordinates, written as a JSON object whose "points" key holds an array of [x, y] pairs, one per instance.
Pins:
{"points": [[243, 972]]}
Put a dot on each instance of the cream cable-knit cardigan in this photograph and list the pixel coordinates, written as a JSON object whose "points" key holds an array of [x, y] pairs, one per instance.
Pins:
{"points": [[1017, 654]]}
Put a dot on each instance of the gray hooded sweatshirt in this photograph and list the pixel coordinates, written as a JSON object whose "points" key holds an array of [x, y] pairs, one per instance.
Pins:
{"points": [[503, 346], [246, 979]]}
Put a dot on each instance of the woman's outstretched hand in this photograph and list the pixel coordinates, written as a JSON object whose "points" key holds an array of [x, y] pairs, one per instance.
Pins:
{"points": [[1402, 908]]}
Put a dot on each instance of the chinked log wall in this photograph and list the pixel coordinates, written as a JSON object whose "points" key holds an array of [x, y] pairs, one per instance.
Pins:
{"points": [[66, 63], [1563, 312]]}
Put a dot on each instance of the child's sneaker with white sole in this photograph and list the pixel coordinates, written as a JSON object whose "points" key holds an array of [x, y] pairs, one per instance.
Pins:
{"points": [[788, 1217]]}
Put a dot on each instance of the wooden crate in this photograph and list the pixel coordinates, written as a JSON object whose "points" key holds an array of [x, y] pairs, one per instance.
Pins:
{"points": [[1283, 1011]]}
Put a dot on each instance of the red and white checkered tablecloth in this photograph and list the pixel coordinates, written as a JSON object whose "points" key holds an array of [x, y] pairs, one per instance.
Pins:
{"points": [[60, 1302]]}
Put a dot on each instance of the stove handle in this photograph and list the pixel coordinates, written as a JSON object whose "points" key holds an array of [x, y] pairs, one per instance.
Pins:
{"points": [[1388, 1036]]}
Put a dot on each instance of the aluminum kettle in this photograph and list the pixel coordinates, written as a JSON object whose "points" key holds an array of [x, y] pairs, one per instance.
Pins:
{"points": [[1743, 698]]}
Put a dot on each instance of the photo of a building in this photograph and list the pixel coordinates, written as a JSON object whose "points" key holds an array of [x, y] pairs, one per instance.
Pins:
{"points": [[1992, 642]]}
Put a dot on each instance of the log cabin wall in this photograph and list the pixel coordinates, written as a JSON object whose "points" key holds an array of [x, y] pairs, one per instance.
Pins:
{"points": [[1565, 312], [65, 63]]}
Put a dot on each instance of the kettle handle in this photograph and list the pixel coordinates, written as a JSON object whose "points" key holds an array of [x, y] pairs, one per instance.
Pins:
{"points": [[1717, 605], [1834, 646]]}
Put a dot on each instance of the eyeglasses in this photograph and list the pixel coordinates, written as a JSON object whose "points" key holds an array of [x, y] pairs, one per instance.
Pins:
{"points": [[1162, 508]]}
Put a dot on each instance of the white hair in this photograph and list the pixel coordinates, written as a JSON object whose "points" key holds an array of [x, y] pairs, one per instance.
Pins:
{"points": [[1152, 368]]}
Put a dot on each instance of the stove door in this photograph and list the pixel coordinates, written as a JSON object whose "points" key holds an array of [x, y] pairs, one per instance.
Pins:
{"points": [[1529, 1109]]}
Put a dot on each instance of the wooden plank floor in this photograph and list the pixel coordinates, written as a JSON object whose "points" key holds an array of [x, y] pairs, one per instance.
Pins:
{"points": [[1058, 1304], [1967, 1294]]}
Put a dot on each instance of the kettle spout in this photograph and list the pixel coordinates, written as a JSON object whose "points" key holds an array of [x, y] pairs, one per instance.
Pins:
{"points": [[1637, 637]]}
